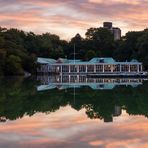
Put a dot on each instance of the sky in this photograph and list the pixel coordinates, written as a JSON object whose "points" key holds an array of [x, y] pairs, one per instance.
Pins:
{"points": [[75, 131], [69, 17]]}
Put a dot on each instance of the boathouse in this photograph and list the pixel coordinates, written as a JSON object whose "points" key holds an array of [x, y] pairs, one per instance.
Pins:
{"points": [[94, 66]]}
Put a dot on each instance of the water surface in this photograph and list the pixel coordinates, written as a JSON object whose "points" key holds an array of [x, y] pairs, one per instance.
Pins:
{"points": [[63, 115]]}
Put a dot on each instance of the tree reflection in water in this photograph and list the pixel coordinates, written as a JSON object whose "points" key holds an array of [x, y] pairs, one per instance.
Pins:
{"points": [[19, 97]]}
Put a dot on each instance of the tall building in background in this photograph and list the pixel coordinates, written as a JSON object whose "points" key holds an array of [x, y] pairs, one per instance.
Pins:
{"points": [[108, 25], [117, 33], [115, 30]]}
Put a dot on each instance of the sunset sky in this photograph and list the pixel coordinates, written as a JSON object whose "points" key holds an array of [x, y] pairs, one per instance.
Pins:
{"points": [[75, 131], [68, 17]]}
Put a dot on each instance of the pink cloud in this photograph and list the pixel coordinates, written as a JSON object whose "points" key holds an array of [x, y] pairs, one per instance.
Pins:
{"points": [[69, 128], [68, 17]]}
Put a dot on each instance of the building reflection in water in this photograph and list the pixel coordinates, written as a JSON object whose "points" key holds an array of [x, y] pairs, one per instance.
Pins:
{"points": [[117, 112], [77, 81], [104, 104]]}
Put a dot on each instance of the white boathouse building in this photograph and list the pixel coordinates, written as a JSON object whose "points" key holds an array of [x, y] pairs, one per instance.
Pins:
{"points": [[94, 66]]}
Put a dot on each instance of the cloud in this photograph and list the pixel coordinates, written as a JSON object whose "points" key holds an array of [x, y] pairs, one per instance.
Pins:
{"points": [[69, 128], [111, 2], [68, 17]]}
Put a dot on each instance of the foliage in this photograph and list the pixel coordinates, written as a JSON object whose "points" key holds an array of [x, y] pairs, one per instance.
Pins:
{"points": [[19, 97], [27, 46], [13, 65], [18, 50], [90, 54]]}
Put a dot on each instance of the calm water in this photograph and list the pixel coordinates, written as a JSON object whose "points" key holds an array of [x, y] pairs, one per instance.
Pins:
{"points": [[73, 114]]}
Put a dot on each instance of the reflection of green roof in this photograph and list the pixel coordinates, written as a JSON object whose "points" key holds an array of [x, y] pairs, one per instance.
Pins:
{"points": [[92, 61], [99, 86], [103, 86]]}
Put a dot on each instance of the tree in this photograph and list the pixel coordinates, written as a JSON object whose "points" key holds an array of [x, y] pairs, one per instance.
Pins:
{"points": [[77, 43], [13, 66], [100, 39], [90, 54], [2, 41], [2, 60], [122, 53]]}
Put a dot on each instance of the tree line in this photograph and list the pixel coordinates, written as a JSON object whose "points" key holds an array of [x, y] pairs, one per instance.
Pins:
{"points": [[16, 100], [19, 50]]}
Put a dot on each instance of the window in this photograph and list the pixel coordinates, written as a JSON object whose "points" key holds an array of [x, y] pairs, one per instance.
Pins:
{"points": [[125, 68], [73, 68], [116, 68], [65, 79], [107, 68], [73, 79], [82, 68], [65, 68], [82, 79], [99, 68], [90, 68], [134, 68]]}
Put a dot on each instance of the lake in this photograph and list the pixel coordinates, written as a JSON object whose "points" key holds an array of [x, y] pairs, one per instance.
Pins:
{"points": [[73, 112]]}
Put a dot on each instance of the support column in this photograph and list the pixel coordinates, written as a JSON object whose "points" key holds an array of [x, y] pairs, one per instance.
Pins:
{"points": [[112, 68], [69, 78], [103, 68], [94, 68], [77, 68], [138, 67], [120, 68], [86, 68], [129, 68], [78, 78], [69, 68], [141, 68], [61, 69]]}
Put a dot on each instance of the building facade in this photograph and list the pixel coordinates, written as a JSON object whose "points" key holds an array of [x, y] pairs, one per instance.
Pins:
{"points": [[94, 66], [117, 33], [115, 30]]}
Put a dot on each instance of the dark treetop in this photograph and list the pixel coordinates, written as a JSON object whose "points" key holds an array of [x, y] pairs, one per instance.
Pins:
{"points": [[19, 49]]}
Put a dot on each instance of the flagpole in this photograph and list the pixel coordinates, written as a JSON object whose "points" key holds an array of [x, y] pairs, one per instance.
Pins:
{"points": [[74, 53], [74, 66]]}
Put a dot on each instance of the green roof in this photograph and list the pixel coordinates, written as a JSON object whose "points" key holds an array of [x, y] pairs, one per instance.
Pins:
{"points": [[79, 62]]}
